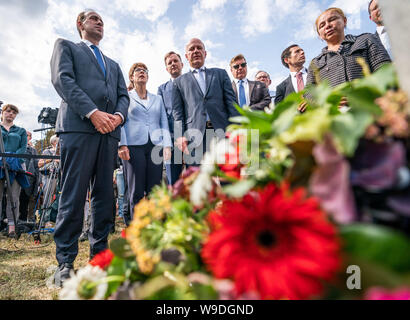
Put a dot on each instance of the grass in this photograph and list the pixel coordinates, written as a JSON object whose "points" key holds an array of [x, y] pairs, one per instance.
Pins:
{"points": [[26, 269]]}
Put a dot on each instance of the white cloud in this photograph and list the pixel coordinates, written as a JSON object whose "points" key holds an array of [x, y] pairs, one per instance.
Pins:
{"points": [[149, 9], [212, 4], [24, 63], [256, 17], [205, 20], [307, 18]]}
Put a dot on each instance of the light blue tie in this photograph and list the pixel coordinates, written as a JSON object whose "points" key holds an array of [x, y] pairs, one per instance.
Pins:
{"points": [[99, 58], [201, 80], [242, 97]]}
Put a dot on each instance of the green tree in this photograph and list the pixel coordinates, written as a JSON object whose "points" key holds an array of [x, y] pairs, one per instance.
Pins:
{"points": [[42, 144]]}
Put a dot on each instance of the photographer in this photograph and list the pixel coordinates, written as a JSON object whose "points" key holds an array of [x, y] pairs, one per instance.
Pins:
{"points": [[15, 141], [46, 165]]}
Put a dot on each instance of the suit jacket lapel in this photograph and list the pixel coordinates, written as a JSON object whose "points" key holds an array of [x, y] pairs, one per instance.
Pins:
{"points": [[208, 79], [133, 95], [251, 87], [150, 100], [290, 84], [107, 66], [92, 57], [234, 88]]}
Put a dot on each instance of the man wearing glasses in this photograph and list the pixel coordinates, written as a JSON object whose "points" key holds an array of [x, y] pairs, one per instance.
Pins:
{"points": [[264, 77], [254, 94], [94, 106]]}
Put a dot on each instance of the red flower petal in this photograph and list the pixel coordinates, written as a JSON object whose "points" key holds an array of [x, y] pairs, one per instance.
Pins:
{"points": [[274, 242]]}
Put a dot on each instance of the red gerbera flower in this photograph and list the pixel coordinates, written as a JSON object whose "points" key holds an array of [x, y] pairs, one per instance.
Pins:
{"points": [[102, 259], [275, 242]]}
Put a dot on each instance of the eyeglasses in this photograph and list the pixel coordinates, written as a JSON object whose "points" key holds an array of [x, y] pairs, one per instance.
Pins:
{"points": [[141, 69], [236, 66], [262, 77]]}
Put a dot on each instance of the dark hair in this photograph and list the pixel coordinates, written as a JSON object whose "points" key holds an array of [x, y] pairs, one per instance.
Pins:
{"points": [[286, 54], [368, 7], [170, 54], [81, 18]]}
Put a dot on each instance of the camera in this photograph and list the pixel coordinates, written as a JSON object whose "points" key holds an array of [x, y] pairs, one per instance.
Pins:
{"points": [[48, 116]]}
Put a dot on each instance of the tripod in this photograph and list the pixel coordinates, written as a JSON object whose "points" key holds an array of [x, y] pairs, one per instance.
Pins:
{"points": [[48, 191]]}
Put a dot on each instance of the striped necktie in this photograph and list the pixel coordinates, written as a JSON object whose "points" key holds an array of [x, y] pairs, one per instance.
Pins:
{"points": [[299, 80]]}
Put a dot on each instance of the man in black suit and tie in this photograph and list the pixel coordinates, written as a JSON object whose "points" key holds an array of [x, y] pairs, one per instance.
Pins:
{"points": [[94, 105], [293, 58], [376, 16], [173, 65], [254, 94], [203, 101]]}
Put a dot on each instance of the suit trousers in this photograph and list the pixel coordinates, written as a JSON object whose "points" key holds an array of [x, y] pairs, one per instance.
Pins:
{"points": [[87, 161], [141, 173], [173, 169]]}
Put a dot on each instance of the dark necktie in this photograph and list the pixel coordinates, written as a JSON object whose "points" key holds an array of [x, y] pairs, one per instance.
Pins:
{"points": [[242, 97], [299, 79], [99, 58]]}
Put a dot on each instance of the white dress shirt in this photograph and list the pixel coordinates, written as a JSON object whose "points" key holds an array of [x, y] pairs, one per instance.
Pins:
{"points": [[295, 81], [246, 87], [381, 31]]}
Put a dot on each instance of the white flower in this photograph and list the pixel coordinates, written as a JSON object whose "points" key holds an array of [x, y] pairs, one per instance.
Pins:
{"points": [[208, 163], [75, 287], [221, 149], [200, 188]]}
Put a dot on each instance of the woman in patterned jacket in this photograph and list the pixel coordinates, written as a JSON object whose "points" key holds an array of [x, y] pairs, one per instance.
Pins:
{"points": [[337, 63]]}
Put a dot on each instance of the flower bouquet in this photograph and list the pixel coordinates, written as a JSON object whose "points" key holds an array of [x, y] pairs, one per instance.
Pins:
{"points": [[288, 206]]}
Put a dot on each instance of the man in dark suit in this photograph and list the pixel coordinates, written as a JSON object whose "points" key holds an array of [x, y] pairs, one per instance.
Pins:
{"points": [[264, 77], [173, 65], [293, 58], [376, 16], [94, 105], [203, 101], [254, 94]]}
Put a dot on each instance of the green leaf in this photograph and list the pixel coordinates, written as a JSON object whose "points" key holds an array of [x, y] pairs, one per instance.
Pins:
{"points": [[285, 119], [121, 248], [204, 292], [239, 119], [376, 275], [383, 79], [117, 267], [378, 244], [239, 189], [363, 99], [348, 128]]}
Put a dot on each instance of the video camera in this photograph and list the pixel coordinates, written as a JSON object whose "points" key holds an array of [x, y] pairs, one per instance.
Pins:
{"points": [[48, 116]]}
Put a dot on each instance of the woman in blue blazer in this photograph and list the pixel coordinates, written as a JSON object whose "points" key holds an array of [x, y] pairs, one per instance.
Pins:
{"points": [[145, 138]]}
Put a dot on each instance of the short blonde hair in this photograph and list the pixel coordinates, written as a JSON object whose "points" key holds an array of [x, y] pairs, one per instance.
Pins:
{"points": [[236, 58], [338, 10], [131, 72]]}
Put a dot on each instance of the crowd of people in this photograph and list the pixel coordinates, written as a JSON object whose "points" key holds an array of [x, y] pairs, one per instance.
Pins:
{"points": [[104, 125]]}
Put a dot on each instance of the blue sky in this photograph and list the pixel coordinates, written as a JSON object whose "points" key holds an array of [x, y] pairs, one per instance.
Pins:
{"points": [[144, 30]]}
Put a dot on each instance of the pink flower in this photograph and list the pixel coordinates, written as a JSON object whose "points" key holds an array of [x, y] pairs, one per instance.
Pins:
{"points": [[378, 293]]}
